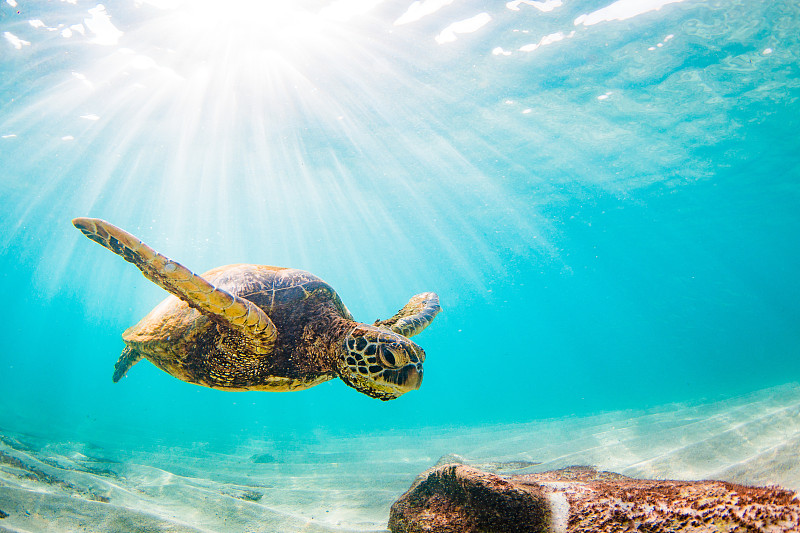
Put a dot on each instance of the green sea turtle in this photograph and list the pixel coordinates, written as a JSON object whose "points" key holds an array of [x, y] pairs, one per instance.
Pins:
{"points": [[257, 327]]}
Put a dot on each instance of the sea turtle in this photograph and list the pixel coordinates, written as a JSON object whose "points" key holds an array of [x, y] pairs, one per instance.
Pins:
{"points": [[257, 327]]}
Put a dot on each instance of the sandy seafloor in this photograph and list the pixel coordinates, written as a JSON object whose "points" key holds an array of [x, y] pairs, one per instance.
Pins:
{"points": [[324, 482]]}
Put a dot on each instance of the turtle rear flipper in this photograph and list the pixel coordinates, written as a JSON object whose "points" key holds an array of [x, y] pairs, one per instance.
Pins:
{"points": [[128, 358], [415, 316], [232, 311]]}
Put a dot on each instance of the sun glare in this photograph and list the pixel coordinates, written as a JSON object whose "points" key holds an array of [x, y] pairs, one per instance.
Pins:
{"points": [[204, 29], [310, 122], [270, 23]]}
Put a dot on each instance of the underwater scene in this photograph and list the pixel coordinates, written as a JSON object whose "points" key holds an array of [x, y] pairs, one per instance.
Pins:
{"points": [[579, 220]]}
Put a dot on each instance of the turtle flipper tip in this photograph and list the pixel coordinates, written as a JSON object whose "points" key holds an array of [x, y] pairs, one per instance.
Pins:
{"points": [[84, 223], [93, 229]]}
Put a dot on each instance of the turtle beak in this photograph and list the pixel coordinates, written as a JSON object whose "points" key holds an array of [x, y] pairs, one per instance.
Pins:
{"points": [[413, 376], [404, 379]]}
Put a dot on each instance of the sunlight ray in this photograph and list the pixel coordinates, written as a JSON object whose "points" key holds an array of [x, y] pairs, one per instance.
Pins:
{"points": [[235, 117]]}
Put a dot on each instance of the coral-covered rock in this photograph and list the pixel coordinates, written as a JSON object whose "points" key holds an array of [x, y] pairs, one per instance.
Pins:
{"points": [[457, 498], [460, 499], [601, 501]]}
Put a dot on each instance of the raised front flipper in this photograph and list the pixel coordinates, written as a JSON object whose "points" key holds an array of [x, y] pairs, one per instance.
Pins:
{"points": [[415, 316], [237, 313]]}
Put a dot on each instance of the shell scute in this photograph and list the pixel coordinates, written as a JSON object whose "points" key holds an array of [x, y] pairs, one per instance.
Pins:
{"points": [[269, 288]]}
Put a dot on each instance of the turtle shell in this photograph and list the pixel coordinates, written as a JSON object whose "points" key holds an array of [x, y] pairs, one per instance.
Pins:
{"points": [[279, 292], [189, 345]]}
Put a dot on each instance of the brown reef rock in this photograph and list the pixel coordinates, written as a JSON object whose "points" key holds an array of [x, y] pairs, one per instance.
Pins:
{"points": [[458, 498]]}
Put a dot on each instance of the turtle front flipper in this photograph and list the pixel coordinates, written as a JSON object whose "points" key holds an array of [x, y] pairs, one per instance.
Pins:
{"points": [[235, 312], [415, 316]]}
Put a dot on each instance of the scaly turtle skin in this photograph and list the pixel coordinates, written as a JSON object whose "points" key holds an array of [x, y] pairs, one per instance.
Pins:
{"points": [[256, 327]]}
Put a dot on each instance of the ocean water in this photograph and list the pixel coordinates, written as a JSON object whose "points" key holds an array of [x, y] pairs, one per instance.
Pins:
{"points": [[604, 195]]}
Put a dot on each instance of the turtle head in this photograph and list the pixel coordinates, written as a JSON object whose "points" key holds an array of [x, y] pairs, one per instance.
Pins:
{"points": [[380, 363]]}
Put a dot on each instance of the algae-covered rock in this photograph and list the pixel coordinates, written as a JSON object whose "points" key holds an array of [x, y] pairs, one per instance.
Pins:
{"points": [[457, 498]]}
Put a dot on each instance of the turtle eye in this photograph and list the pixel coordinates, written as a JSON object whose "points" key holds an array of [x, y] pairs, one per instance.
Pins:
{"points": [[387, 357]]}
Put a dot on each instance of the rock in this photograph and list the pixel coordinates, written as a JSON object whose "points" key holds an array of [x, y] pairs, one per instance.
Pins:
{"points": [[454, 498], [460, 499], [28, 470], [247, 495], [251, 496], [604, 502], [2, 514]]}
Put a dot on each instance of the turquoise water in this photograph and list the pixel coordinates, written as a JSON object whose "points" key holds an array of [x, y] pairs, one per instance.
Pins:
{"points": [[604, 196]]}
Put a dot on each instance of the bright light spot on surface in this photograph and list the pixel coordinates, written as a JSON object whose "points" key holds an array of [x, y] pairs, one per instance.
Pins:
{"points": [[9, 136], [547, 39], [547, 5], [91, 116], [15, 41], [160, 4], [498, 51], [143, 62], [527, 111], [622, 10], [37, 23], [78, 28], [66, 33], [67, 138], [418, 9], [767, 51], [605, 96], [139, 61], [344, 10], [100, 24], [12, 3], [82, 77], [208, 27], [472, 24], [661, 44]]}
